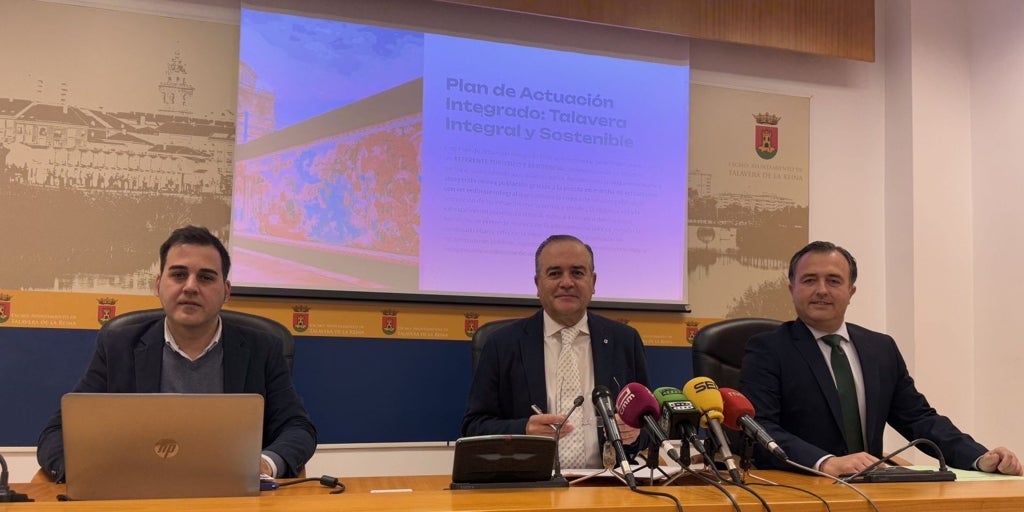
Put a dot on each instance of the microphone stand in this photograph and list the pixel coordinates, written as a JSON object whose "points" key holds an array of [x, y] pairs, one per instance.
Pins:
{"points": [[748, 454], [606, 411], [653, 461], [8, 495], [557, 477]]}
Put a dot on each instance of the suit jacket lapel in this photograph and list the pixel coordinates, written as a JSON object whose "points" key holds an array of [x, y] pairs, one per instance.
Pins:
{"points": [[808, 348], [236, 359], [149, 359], [600, 349], [533, 360]]}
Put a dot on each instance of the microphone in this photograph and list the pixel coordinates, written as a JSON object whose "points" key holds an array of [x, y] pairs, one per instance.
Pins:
{"points": [[708, 400], [638, 408], [603, 403], [676, 412], [8, 495], [739, 414], [558, 434], [873, 473], [679, 419]]}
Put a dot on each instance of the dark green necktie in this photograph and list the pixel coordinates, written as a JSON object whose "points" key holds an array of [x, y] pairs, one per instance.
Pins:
{"points": [[847, 394]]}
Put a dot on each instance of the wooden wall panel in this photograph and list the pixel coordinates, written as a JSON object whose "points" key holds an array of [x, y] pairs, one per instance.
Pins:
{"points": [[836, 28]]}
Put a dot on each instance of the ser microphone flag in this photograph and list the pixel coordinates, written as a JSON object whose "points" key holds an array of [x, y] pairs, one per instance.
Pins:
{"points": [[704, 394]]}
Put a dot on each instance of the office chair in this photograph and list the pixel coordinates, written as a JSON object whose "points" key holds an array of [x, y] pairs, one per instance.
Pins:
{"points": [[256, 322], [481, 334], [717, 354], [718, 348]]}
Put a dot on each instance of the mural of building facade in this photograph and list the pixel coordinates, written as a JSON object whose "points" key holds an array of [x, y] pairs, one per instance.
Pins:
{"points": [[107, 147]]}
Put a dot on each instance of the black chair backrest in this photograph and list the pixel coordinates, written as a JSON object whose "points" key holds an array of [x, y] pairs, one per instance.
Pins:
{"points": [[718, 348], [481, 334], [256, 322]]}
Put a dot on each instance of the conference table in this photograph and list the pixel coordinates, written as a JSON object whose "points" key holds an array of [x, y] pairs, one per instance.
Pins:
{"points": [[429, 493]]}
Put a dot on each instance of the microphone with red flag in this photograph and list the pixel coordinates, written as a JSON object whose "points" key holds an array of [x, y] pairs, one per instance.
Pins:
{"points": [[739, 415]]}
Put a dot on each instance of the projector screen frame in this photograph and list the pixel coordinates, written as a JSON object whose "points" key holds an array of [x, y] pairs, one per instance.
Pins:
{"points": [[617, 42], [469, 300]]}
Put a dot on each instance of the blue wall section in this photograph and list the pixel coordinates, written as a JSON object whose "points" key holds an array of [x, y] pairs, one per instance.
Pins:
{"points": [[669, 366], [383, 390], [356, 390], [37, 366]]}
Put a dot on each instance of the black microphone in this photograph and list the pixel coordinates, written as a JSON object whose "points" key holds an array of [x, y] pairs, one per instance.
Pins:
{"points": [[739, 412], [603, 403], [558, 434], [679, 420], [874, 473], [8, 495]]}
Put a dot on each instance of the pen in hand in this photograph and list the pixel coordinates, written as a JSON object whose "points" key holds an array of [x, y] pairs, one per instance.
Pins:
{"points": [[538, 410]]}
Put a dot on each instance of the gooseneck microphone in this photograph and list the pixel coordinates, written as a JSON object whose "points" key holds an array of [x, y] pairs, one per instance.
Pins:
{"points": [[8, 495], [708, 400], [901, 474], [638, 408], [558, 434], [603, 403], [739, 415]]}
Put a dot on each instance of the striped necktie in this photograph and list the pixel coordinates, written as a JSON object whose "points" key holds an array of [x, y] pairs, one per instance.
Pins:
{"points": [[570, 387]]}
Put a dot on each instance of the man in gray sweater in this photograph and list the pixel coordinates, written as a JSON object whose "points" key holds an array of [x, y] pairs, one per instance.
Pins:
{"points": [[192, 350]]}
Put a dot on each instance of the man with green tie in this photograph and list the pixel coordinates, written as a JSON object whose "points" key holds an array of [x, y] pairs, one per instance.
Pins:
{"points": [[824, 389]]}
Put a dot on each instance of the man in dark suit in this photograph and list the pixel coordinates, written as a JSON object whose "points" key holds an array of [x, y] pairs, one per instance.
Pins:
{"points": [[824, 388], [191, 350], [524, 363]]}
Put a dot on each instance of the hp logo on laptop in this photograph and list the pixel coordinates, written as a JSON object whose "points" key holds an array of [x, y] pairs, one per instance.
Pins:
{"points": [[166, 448]]}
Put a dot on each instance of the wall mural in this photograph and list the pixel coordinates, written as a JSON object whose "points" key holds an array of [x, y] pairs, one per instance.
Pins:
{"points": [[748, 198], [117, 127]]}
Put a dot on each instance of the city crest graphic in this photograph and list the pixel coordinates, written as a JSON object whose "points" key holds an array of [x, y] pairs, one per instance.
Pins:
{"points": [[389, 321], [472, 324], [5, 307], [766, 135], [691, 330], [300, 318], [106, 310]]}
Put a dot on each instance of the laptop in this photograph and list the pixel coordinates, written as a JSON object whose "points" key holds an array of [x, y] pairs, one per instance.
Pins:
{"points": [[504, 461], [137, 446]]}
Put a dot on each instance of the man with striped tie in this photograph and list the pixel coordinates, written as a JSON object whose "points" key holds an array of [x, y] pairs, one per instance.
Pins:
{"points": [[548, 359]]}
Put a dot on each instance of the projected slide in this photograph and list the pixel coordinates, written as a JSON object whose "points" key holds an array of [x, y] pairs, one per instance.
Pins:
{"points": [[372, 159]]}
